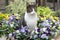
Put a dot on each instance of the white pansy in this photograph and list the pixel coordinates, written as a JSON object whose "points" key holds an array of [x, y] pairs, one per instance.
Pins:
{"points": [[36, 30], [7, 22], [52, 33], [54, 21], [35, 36], [10, 35], [44, 29], [23, 30], [46, 21], [53, 27], [11, 17], [16, 14], [51, 23], [11, 25], [52, 39], [32, 33], [17, 31]]}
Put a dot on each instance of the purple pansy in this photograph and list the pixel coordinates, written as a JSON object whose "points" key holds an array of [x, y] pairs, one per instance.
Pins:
{"points": [[38, 35], [44, 33], [25, 27], [48, 29], [12, 17], [44, 36], [13, 34], [49, 20], [45, 24], [41, 29], [38, 30], [26, 30], [23, 30]]}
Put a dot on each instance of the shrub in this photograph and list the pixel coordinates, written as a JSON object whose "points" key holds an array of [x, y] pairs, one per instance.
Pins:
{"points": [[18, 6], [57, 13], [44, 11]]}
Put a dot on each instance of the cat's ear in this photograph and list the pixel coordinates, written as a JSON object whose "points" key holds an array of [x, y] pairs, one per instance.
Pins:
{"points": [[27, 4], [33, 9]]}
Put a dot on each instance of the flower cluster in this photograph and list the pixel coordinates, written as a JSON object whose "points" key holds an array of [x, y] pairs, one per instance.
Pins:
{"points": [[46, 29], [8, 24], [50, 26]]}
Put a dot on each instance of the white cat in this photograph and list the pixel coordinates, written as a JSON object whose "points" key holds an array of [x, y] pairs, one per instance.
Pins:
{"points": [[31, 20]]}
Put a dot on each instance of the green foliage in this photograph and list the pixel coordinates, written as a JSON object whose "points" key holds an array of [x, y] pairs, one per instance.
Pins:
{"points": [[44, 11], [18, 6], [1, 17], [5, 29], [57, 13], [19, 37]]}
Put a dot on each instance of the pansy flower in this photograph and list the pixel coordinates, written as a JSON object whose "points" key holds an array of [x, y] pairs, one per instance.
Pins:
{"points": [[44, 36]]}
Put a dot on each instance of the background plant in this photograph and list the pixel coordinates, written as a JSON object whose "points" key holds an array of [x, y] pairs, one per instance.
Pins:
{"points": [[44, 11], [18, 6], [57, 13]]}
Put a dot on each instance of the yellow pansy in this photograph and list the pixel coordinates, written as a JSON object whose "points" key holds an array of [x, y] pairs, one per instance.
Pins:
{"points": [[56, 18], [48, 16], [59, 27], [52, 18], [7, 16], [4, 16], [42, 18], [17, 17]]}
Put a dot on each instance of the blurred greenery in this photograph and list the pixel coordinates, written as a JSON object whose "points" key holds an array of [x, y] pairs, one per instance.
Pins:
{"points": [[18, 6], [5, 29], [57, 13], [44, 11]]}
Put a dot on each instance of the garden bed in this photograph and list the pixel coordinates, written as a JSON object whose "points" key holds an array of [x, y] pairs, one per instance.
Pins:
{"points": [[48, 25]]}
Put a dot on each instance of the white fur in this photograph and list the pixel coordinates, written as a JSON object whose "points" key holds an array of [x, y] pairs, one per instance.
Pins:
{"points": [[31, 20]]}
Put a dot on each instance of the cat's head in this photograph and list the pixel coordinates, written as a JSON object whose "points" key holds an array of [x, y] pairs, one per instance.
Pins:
{"points": [[31, 9]]}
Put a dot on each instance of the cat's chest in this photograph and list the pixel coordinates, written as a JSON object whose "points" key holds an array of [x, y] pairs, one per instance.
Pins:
{"points": [[30, 18]]}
